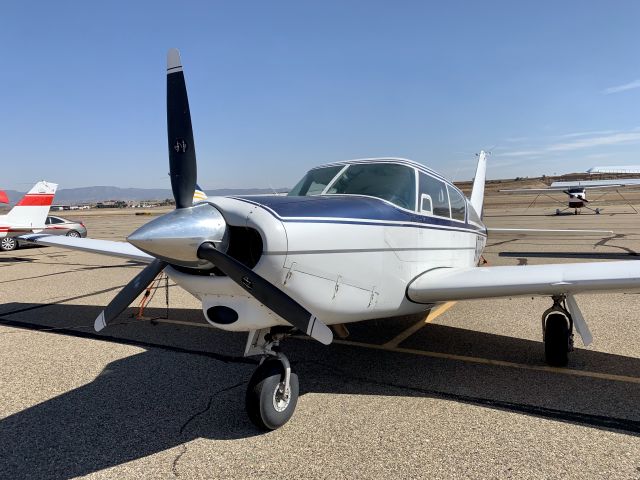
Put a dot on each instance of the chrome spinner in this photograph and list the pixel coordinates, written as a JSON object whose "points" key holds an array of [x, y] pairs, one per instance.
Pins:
{"points": [[176, 236]]}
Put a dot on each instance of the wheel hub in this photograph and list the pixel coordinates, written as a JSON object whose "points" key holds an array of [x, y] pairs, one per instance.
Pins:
{"points": [[281, 397]]}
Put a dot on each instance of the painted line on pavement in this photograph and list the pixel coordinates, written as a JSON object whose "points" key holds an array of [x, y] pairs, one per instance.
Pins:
{"points": [[431, 316]]}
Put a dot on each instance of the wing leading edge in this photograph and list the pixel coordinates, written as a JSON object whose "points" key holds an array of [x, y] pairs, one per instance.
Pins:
{"points": [[444, 284], [91, 245]]}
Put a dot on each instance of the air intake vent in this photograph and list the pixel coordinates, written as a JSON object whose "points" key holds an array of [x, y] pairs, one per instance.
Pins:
{"points": [[222, 315]]}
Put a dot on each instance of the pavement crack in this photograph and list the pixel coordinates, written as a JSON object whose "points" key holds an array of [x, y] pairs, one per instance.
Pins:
{"points": [[605, 242], [174, 465], [176, 460], [502, 242]]}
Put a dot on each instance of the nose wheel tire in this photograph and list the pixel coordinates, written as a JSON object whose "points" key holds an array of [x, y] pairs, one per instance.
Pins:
{"points": [[269, 404], [557, 338], [8, 244]]}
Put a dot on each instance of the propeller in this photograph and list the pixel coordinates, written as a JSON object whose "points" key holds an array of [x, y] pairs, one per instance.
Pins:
{"points": [[129, 293], [182, 153], [195, 236]]}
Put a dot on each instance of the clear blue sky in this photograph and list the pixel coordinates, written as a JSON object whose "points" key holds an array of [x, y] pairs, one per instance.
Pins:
{"points": [[278, 87]]}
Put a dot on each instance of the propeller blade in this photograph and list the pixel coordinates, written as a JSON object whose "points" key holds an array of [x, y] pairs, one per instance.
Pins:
{"points": [[182, 152], [267, 294], [129, 293]]}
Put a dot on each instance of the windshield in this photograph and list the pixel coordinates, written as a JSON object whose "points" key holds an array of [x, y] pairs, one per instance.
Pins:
{"points": [[314, 182], [389, 181]]}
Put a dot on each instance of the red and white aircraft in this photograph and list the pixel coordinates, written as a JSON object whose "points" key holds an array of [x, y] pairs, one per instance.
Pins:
{"points": [[28, 215]]}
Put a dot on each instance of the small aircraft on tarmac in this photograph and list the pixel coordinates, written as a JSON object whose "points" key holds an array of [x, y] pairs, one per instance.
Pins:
{"points": [[577, 192], [353, 240], [28, 215]]}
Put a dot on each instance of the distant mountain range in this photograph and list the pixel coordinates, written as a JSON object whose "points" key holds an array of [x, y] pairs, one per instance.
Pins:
{"points": [[75, 196]]}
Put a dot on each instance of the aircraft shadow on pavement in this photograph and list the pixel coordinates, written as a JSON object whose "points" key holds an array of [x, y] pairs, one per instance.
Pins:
{"points": [[189, 383], [6, 259]]}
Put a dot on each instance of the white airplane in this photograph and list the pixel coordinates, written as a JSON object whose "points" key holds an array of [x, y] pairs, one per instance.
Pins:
{"points": [[353, 240], [28, 215], [576, 192]]}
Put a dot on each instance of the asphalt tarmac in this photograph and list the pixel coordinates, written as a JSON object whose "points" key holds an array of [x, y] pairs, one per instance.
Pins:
{"points": [[462, 394]]}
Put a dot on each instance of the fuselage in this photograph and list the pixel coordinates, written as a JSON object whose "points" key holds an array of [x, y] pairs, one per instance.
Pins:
{"points": [[577, 197], [345, 256]]}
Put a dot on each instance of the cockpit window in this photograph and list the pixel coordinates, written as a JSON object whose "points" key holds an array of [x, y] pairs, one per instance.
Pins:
{"points": [[315, 181], [388, 181]]}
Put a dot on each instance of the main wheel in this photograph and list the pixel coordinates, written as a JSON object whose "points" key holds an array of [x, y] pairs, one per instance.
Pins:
{"points": [[556, 340], [8, 244], [267, 405], [597, 211], [557, 211]]}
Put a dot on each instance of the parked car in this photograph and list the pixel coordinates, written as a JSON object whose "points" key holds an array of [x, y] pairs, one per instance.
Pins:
{"points": [[54, 226]]}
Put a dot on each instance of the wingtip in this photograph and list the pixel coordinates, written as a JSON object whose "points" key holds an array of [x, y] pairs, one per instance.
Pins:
{"points": [[174, 63]]}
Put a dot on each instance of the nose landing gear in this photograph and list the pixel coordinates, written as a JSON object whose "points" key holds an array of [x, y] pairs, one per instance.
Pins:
{"points": [[272, 393]]}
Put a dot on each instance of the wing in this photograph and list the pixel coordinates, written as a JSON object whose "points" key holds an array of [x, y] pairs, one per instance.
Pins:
{"points": [[528, 232], [598, 184], [561, 187], [444, 284], [92, 245], [532, 191]]}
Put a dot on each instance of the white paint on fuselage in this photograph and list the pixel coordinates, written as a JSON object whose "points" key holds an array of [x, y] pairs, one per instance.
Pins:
{"points": [[340, 272]]}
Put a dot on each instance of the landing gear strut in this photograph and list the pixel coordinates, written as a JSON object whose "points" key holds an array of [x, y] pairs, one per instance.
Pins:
{"points": [[557, 332], [272, 393]]}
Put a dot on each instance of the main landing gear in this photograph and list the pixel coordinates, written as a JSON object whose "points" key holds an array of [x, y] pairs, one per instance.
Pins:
{"points": [[272, 393], [576, 211], [558, 323], [557, 328]]}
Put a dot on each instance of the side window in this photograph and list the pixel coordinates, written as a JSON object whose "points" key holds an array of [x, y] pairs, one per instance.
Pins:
{"points": [[47, 221], [56, 220], [458, 204], [433, 196]]}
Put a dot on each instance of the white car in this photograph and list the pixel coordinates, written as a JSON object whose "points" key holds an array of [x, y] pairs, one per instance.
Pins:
{"points": [[54, 226]]}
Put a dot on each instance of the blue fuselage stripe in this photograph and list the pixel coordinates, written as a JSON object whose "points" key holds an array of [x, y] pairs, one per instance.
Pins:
{"points": [[353, 210]]}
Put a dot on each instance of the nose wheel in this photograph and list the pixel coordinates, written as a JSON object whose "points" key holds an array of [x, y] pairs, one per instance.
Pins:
{"points": [[272, 393], [270, 399]]}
